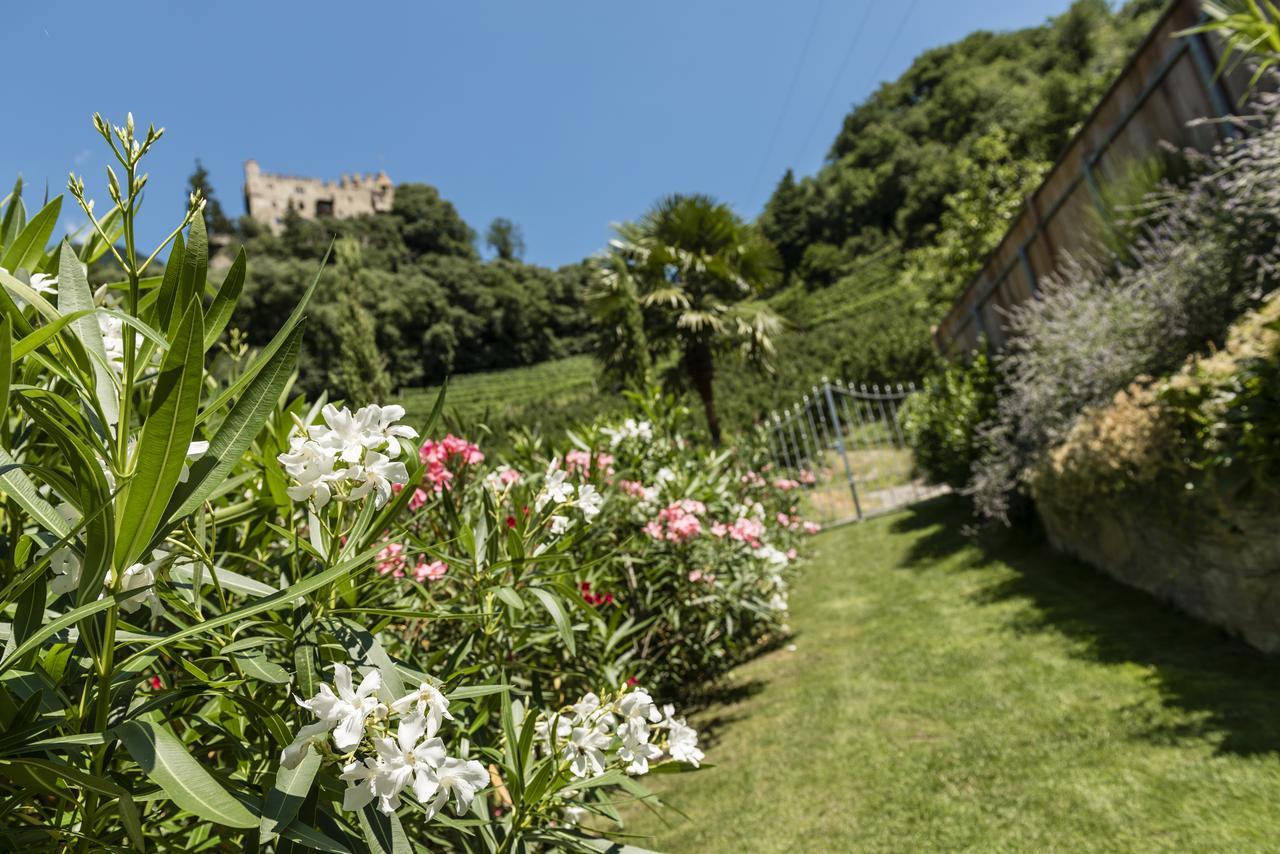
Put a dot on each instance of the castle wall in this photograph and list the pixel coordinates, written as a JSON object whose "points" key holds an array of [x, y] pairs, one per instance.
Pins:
{"points": [[268, 197]]}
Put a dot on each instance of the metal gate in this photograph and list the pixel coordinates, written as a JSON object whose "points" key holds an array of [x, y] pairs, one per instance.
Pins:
{"points": [[843, 446]]}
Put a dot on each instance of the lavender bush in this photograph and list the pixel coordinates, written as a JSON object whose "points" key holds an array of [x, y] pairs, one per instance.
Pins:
{"points": [[1207, 251]]}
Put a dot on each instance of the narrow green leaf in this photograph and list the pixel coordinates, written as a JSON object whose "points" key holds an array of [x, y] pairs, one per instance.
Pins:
{"points": [[272, 347], [125, 803], [224, 303], [558, 616], [15, 214], [6, 360], [284, 598], [28, 246], [258, 667], [74, 296], [281, 805], [165, 760], [384, 833], [70, 618], [166, 436], [167, 295], [15, 484], [195, 264], [237, 431]]}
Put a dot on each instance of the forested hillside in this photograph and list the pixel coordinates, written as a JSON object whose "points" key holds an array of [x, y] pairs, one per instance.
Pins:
{"points": [[434, 307], [919, 184]]}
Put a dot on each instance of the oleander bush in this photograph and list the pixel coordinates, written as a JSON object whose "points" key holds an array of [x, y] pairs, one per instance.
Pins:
{"points": [[940, 421], [235, 618]]}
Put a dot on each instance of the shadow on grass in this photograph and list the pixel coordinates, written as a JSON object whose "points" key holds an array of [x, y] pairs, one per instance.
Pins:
{"points": [[726, 700], [1229, 688]]}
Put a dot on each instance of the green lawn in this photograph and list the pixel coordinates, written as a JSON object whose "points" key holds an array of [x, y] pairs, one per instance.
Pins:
{"points": [[944, 696]]}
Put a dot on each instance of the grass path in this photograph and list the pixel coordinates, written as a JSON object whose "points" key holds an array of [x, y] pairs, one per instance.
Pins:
{"points": [[948, 696]]}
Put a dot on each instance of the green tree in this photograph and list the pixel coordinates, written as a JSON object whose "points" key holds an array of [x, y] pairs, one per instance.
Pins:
{"points": [[505, 238], [361, 372], [215, 220], [430, 224], [786, 222], [696, 267]]}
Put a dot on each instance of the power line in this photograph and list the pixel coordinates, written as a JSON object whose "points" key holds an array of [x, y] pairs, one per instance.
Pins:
{"points": [[835, 82], [786, 102], [893, 42]]}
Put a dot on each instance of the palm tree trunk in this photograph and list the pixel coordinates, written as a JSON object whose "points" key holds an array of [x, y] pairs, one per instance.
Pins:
{"points": [[701, 368]]}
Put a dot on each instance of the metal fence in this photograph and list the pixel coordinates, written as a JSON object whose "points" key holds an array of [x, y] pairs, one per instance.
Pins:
{"points": [[843, 445]]}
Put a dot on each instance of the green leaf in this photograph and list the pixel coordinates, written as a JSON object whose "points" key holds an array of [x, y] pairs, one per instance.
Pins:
{"points": [[74, 296], [258, 667], [285, 598], [233, 581], [558, 616], [124, 801], [28, 247], [166, 436], [237, 431], [510, 596], [195, 264], [384, 833], [164, 759], [224, 303], [15, 214], [70, 618], [167, 295], [268, 352], [285, 797], [16, 485], [6, 360]]}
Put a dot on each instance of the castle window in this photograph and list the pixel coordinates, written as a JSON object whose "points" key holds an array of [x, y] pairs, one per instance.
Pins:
{"points": [[324, 207]]}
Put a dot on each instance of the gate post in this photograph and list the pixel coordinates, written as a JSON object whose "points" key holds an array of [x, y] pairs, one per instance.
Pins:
{"points": [[844, 458]]}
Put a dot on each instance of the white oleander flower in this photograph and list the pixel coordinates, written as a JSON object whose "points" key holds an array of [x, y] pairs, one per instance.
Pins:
{"points": [[408, 759], [559, 524], [64, 562], [312, 466], [589, 501], [682, 739], [340, 433], [460, 779], [429, 701], [379, 423], [636, 749], [112, 329], [376, 475], [555, 488], [195, 451], [586, 707], [637, 705], [138, 576], [42, 284], [359, 775], [585, 751], [345, 713]]}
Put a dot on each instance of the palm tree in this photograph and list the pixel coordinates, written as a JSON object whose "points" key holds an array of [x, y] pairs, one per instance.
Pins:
{"points": [[694, 267]]}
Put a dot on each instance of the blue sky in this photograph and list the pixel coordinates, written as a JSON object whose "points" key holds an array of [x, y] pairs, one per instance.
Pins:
{"points": [[562, 116]]}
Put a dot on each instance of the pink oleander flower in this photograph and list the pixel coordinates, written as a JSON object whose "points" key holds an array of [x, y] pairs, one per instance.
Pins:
{"points": [[792, 554], [784, 520], [654, 529], [433, 571], [391, 560], [418, 500], [437, 456], [631, 487], [578, 462], [811, 527], [684, 528], [719, 529], [747, 531], [752, 479], [786, 484], [807, 477], [695, 575]]}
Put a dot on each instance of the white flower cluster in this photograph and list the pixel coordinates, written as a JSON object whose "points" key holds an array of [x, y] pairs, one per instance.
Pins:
{"points": [[349, 456], [631, 429], [562, 494], [66, 567], [629, 732], [415, 758]]}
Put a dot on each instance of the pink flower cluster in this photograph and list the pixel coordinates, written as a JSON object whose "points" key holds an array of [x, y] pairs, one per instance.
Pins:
{"points": [[581, 462], [634, 488], [436, 456], [696, 575], [807, 477], [752, 479], [678, 521], [744, 530], [392, 561], [786, 484]]}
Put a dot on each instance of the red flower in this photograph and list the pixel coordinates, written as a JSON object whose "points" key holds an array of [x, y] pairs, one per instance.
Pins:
{"points": [[632, 681], [511, 521], [156, 684]]}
